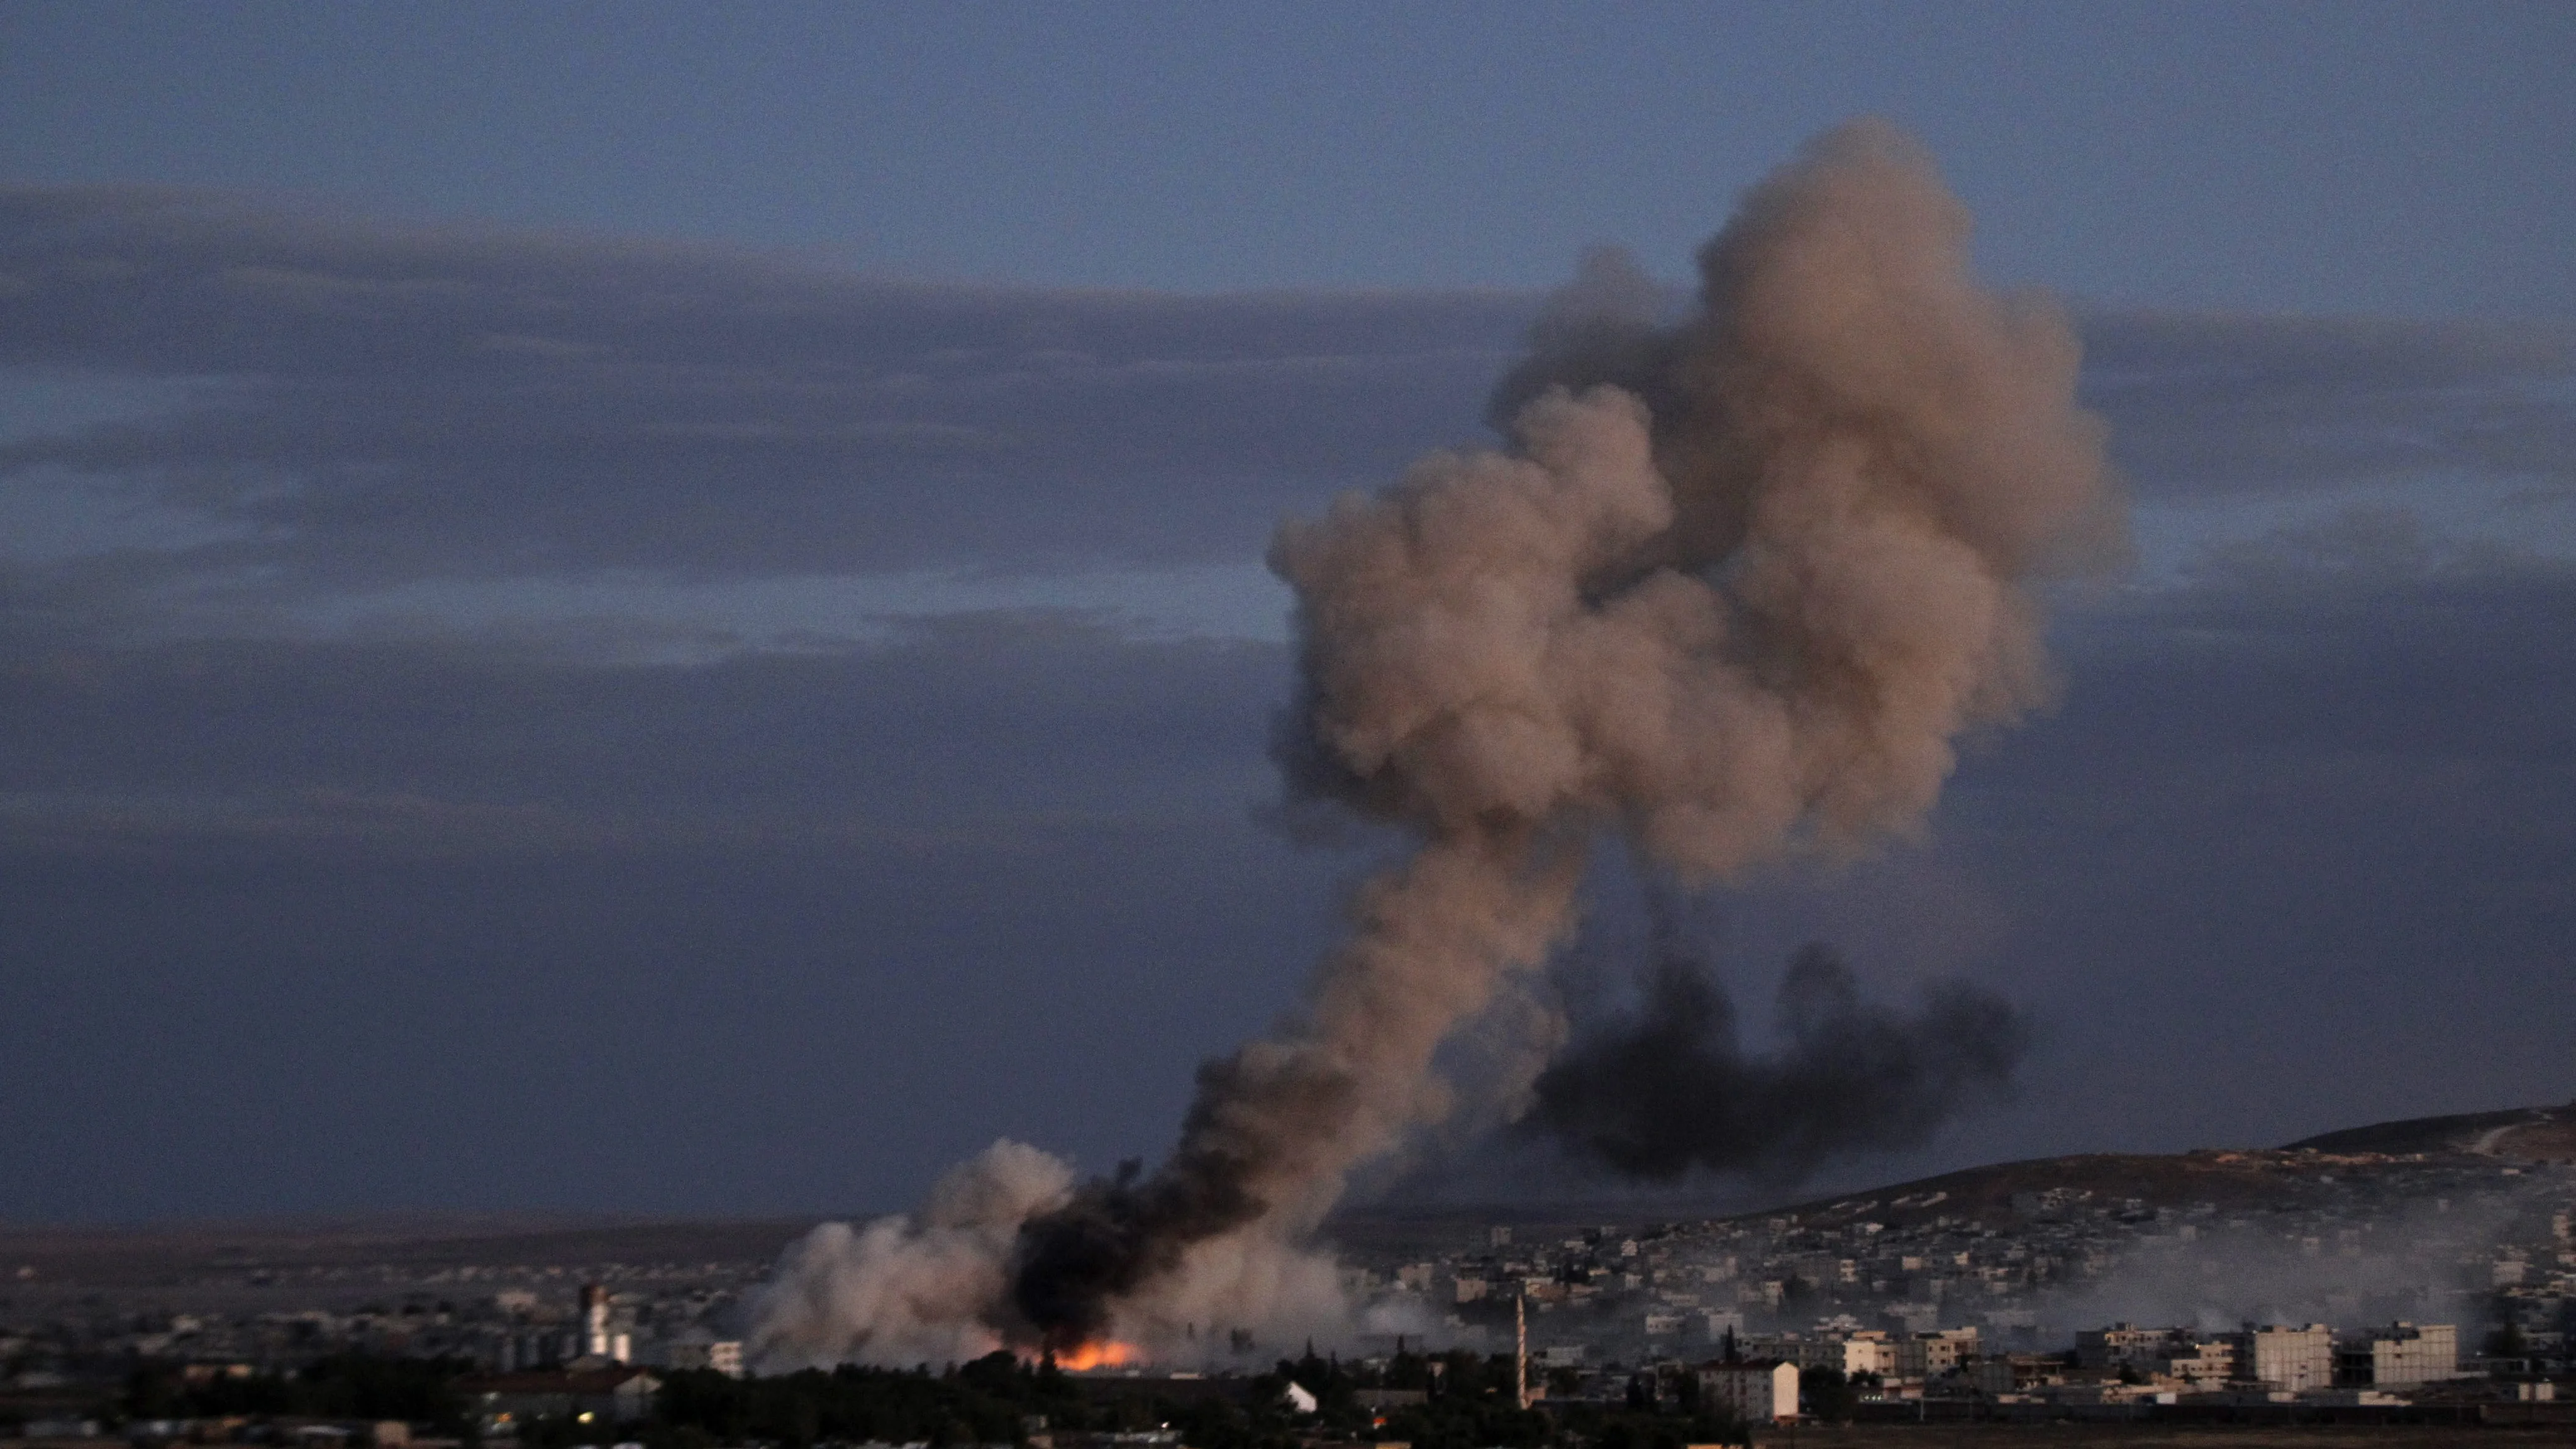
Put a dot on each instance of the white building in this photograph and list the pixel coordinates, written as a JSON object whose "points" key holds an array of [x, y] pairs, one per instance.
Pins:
{"points": [[1756, 1393], [600, 1339], [2401, 1355], [2297, 1359]]}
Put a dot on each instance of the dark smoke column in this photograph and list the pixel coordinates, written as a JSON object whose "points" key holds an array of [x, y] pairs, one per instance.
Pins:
{"points": [[1734, 591], [1672, 1090]]}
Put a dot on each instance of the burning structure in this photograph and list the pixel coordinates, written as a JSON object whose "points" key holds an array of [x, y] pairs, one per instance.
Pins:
{"points": [[1733, 592]]}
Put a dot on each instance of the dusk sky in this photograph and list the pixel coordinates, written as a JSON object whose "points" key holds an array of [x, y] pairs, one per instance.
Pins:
{"points": [[658, 608]]}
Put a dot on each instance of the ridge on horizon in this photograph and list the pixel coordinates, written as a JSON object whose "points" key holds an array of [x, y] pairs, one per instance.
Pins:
{"points": [[2497, 1134]]}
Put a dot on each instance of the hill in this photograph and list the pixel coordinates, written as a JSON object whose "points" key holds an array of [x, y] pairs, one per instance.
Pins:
{"points": [[2391, 1161], [2541, 1134], [2393, 1157]]}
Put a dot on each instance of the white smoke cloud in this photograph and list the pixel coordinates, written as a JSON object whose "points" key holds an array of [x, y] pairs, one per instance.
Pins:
{"points": [[889, 1292]]}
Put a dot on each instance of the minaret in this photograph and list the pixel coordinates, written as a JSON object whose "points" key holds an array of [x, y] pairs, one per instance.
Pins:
{"points": [[596, 1340], [1520, 1350]]}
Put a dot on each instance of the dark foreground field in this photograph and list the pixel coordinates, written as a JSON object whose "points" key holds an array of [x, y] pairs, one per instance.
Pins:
{"points": [[2155, 1436]]}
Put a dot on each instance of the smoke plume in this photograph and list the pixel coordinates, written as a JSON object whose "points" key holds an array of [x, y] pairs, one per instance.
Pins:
{"points": [[1670, 1089], [891, 1292], [1733, 592]]}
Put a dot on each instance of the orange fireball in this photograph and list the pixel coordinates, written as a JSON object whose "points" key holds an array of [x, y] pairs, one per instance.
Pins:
{"points": [[1106, 1353]]}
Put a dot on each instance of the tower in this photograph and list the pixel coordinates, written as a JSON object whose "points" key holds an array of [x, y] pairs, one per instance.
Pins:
{"points": [[596, 1339], [1520, 1350]]}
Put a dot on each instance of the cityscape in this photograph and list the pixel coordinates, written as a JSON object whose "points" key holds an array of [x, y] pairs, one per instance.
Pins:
{"points": [[2240, 1286]]}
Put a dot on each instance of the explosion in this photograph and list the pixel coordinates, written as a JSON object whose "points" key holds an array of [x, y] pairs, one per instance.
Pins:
{"points": [[1082, 1358], [1732, 594]]}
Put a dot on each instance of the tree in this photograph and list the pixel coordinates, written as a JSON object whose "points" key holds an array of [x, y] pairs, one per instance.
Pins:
{"points": [[1825, 1394]]}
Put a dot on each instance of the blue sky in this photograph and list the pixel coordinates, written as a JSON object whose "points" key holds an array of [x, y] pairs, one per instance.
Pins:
{"points": [[2379, 158], [655, 608]]}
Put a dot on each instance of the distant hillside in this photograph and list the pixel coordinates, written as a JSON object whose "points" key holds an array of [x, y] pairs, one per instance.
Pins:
{"points": [[2251, 1179], [2424, 1157], [2531, 1133], [2313, 1168], [424, 1243]]}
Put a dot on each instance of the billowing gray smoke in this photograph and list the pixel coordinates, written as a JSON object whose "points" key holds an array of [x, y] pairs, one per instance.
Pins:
{"points": [[1670, 1088], [1733, 592]]}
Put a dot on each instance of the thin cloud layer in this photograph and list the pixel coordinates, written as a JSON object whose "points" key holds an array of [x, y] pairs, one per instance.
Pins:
{"points": [[2206, 406], [417, 747], [379, 403], [243, 412]]}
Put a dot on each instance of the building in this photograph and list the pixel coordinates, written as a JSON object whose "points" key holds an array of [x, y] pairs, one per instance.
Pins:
{"points": [[599, 1338], [2165, 1353], [1930, 1355], [2016, 1373], [698, 1351], [1867, 1351], [2399, 1356], [2204, 1364], [1762, 1392], [2121, 1343], [616, 1395], [2296, 1359]]}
